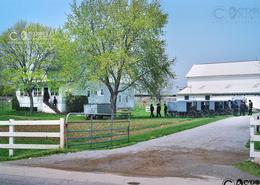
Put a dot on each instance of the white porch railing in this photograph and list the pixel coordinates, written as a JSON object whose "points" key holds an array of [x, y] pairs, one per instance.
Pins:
{"points": [[12, 134], [254, 123]]}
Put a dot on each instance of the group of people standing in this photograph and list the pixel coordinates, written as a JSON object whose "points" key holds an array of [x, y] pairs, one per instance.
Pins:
{"points": [[158, 110], [242, 108]]}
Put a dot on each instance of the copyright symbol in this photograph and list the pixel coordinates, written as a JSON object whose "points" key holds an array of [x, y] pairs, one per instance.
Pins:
{"points": [[228, 182], [219, 13], [13, 35]]}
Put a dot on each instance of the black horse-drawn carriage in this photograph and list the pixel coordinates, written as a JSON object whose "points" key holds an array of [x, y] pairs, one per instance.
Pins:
{"points": [[199, 108]]}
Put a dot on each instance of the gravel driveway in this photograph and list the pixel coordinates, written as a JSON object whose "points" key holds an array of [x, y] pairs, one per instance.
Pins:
{"points": [[209, 150]]}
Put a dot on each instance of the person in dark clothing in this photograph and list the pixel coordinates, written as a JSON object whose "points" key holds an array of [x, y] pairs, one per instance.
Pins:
{"points": [[165, 110], [250, 108], [234, 107], [242, 108], [151, 111], [55, 102], [158, 110]]}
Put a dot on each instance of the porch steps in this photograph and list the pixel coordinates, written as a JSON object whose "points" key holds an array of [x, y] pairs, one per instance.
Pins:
{"points": [[49, 108]]}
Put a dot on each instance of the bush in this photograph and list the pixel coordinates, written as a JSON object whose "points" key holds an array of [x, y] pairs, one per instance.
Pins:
{"points": [[75, 103], [27, 109], [15, 104]]}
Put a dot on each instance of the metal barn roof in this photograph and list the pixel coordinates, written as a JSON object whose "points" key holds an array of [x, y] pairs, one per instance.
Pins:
{"points": [[221, 89], [224, 69]]}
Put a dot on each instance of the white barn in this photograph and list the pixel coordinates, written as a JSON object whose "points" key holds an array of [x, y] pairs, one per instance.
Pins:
{"points": [[223, 81]]}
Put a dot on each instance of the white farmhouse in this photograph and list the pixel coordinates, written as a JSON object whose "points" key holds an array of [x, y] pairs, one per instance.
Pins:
{"points": [[223, 81], [97, 93], [38, 99]]}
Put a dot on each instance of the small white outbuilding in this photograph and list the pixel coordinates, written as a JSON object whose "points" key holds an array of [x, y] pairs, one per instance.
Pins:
{"points": [[223, 81]]}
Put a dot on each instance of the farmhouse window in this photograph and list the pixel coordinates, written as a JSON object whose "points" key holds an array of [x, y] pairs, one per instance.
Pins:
{"points": [[55, 92], [119, 98], [126, 99], [186, 97], [102, 92], [37, 92], [23, 93], [207, 97]]}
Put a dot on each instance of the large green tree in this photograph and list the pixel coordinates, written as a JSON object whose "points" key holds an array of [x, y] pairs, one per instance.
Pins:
{"points": [[121, 44], [28, 53]]}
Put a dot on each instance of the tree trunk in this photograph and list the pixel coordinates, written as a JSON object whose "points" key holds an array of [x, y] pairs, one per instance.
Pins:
{"points": [[113, 99], [31, 100]]}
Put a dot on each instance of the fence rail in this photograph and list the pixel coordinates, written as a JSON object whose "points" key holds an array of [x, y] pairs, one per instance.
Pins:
{"points": [[254, 125], [12, 134]]}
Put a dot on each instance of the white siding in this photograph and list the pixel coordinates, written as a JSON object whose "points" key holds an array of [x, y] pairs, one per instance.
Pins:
{"points": [[127, 97], [24, 101], [224, 81]]}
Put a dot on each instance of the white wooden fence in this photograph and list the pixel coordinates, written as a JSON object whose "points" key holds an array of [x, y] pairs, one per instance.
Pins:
{"points": [[254, 123], [12, 134]]}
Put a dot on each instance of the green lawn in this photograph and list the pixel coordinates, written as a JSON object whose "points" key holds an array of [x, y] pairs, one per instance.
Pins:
{"points": [[142, 128], [249, 167]]}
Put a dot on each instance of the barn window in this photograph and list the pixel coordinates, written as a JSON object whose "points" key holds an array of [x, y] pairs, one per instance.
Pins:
{"points": [[256, 85], [228, 86], [186, 97], [207, 97]]}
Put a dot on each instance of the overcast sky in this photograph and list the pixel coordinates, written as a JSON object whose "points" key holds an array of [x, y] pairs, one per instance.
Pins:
{"points": [[198, 31]]}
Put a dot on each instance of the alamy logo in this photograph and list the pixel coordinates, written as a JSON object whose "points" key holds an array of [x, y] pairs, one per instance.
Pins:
{"points": [[240, 182], [228, 182], [237, 14]]}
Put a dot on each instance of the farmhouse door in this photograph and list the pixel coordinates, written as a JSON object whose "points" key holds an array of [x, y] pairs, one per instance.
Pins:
{"points": [[46, 95]]}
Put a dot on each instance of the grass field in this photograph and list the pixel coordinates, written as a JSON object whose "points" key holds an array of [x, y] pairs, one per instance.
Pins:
{"points": [[142, 128], [249, 167]]}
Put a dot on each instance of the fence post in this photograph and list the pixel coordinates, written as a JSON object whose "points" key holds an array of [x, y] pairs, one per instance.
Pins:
{"points": [[251, 143], [128, 128], [252, 150], [11, 139], [111, 129], [91, 130], [61, 133]]}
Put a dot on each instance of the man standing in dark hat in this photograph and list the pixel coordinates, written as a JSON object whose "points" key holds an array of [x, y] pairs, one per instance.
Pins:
{"points": [[158, 110]]}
